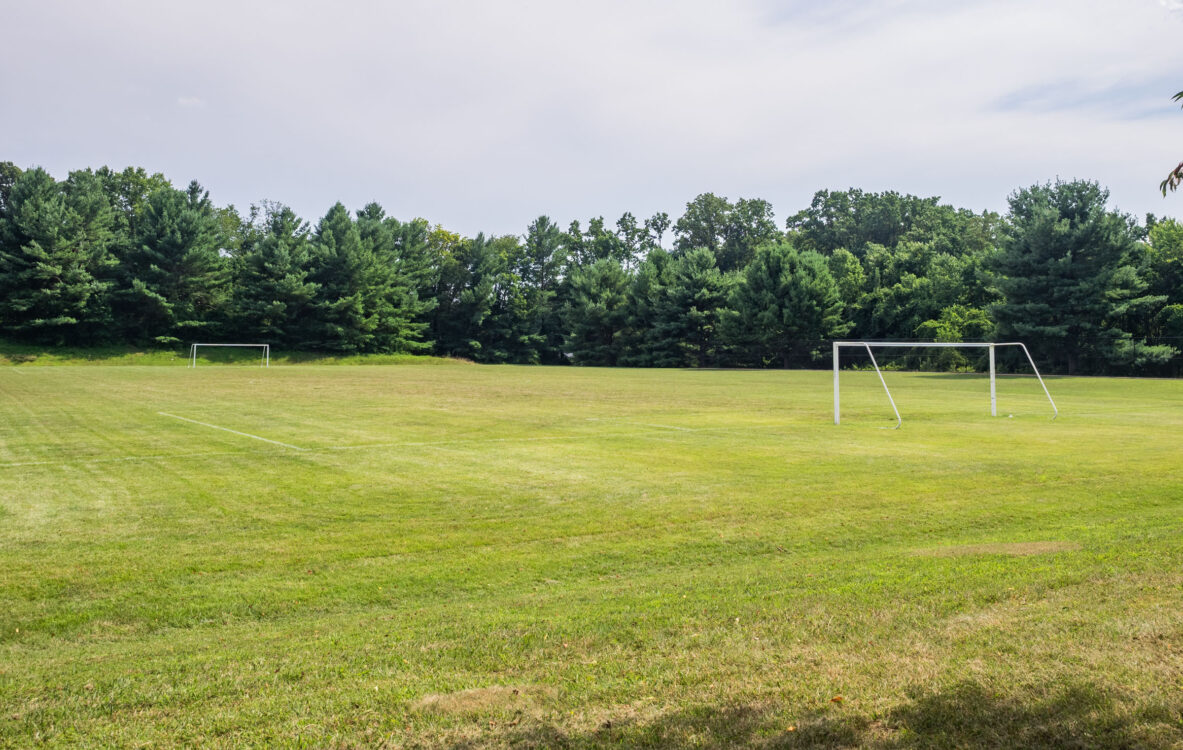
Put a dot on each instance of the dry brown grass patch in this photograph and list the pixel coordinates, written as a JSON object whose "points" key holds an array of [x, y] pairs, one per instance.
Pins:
{"points": [[484, 700]]}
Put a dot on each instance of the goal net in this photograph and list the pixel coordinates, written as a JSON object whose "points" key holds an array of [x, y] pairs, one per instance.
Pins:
{"points": [[265, 360], [869, 345]]}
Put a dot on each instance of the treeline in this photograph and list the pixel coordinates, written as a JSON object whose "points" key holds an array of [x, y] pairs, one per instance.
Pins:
{"points": [[108, 257]]}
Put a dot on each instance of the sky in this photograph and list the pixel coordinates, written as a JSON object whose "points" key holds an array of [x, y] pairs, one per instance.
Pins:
{"points": [[482, 116]]}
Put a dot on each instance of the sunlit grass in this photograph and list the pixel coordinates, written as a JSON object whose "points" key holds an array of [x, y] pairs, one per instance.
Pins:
{"points": [[576, 557]]}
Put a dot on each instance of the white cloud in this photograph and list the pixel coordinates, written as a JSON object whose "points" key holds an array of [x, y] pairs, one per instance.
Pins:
{"points": [[190, 102]]}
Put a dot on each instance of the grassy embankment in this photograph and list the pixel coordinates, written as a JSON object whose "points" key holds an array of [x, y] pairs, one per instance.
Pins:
{"points": [[42, 356], [575, 557]]}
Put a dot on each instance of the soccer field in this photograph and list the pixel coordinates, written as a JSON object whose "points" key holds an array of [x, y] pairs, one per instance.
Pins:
{"points": [[563, 557]]}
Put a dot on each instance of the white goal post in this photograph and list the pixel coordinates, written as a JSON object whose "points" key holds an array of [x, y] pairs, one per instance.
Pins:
{"points": [[266, 362], [930, 344]]}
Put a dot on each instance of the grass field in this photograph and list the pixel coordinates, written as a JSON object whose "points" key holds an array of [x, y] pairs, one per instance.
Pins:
{"points": [[461, 555]]}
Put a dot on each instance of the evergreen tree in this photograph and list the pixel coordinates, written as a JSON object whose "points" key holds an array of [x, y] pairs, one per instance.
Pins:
{"points": [[348, 312], [54, 253], [544, 260], [512, 331], [392, 291], [174, 278], [128, 193], [466, 292], [641, 343], [416, 260], [690, 309], [273, 296], [785, 306], [596, 313], [1065, 273]]}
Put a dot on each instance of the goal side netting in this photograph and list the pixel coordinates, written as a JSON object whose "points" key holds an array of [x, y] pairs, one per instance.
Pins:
{"points": [[868, 346]]}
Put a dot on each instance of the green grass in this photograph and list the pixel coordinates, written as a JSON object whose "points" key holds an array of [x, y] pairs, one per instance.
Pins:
{"points": [[563, 557], [12, 353]]}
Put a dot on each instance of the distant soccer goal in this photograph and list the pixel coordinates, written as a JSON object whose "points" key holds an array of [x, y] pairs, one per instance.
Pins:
{"points": [[868, 345], [266, 355]]}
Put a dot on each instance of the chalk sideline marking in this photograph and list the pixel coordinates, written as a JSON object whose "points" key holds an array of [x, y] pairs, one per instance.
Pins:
{"points": [[227, 429]]}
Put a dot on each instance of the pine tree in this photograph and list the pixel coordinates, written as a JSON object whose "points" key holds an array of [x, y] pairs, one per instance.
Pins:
{"points": [[596, 313], [54, 253], [545, 256], [345, 314], [691, 308], [273, 296], [466, 292], [642, 342], [391, 291], [1066, 274], [511, 332], [174, 279], [785, 306]]}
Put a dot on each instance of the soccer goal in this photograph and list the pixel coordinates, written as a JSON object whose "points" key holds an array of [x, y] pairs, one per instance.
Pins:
{"points": [[868, 345], [265, 362]]}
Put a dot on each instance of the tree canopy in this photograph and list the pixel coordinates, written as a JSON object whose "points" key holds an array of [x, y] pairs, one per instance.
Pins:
{"points": [[123, 256]]}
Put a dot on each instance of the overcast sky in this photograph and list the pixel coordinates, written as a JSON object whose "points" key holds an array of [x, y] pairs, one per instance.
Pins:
{"points": [[481, 115]]}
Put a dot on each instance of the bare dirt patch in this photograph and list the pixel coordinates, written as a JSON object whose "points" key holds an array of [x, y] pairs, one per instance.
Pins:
{"points": [[484, 700], [1017, 549]]}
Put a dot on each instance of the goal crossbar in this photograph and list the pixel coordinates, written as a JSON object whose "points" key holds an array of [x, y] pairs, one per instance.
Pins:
{"points": [[266, 362], [838, 345]]}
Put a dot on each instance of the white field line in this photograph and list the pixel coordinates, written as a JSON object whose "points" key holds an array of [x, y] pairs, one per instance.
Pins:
{"points": [[227, 429]]}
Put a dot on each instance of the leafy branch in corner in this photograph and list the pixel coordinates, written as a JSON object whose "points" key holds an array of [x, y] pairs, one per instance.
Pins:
{"points": [[1175, 178]]}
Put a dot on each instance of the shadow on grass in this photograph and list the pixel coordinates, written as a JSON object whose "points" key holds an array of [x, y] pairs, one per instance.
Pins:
{"points": [[965, 716]]}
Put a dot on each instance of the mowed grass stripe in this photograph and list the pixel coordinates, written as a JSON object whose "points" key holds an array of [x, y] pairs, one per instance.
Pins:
{"points": [[435, 550]]}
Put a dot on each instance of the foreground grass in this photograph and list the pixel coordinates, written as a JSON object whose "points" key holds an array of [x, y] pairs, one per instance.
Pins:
{"points": [[569, 557]]}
